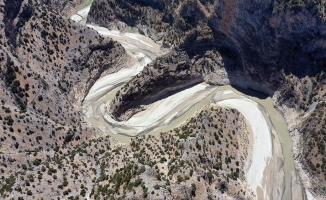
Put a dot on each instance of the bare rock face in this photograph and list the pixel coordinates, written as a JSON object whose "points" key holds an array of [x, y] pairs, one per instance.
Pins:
{"points": [[263, 39]]}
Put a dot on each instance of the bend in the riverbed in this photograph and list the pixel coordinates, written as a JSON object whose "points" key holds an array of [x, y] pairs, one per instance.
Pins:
{"points": [[262, 143], [159, 113]]}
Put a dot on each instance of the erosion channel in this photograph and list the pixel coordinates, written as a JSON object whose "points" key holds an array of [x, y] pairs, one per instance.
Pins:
{"points": [[270, 171]]}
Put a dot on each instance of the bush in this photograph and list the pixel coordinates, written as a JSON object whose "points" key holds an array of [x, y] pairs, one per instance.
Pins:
{"points": [[83, 192], [163, 159], [156, 187], [180, 179], [37, 162], [40, 98], [29, 193], [10, 181]]}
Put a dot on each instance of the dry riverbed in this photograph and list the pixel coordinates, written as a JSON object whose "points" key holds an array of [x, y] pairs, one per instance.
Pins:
{"points": [[268, 174]]}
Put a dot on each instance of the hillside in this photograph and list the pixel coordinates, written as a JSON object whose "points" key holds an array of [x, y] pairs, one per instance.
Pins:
{"points": [[204, 158], [47, 65]]}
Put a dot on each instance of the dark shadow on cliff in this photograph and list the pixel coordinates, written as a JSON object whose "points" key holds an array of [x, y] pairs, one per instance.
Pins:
{"points": [[167, 93], [14, 18], [258, 52], [252, 83], [251, 92]]}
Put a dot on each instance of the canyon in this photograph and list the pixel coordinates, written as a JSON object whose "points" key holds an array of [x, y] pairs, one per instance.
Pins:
{"points": [[199, 99]]}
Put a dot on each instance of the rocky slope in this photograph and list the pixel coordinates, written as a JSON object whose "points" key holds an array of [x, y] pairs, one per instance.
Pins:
{"points": [[204, 158], [275, 47], [65, 7], [47, 65], [257, 49]]}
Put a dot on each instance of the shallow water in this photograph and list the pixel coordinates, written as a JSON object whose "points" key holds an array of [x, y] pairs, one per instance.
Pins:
{"points": [[280, 127]]}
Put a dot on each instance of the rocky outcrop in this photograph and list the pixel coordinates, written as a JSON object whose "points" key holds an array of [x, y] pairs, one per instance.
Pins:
{"points": [[164, 77], [152, 17], [263, 40]]}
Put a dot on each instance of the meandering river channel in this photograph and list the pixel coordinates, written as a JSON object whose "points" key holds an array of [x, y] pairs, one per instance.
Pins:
{"points": [[170, 112]]}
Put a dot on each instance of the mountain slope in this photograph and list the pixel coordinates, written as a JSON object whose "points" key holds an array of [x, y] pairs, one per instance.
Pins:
{"points": [[47, 65]]}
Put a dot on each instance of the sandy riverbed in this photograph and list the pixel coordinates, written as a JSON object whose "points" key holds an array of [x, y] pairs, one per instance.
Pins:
{"points": [[262, 148], [161, 112], [81, 15], [264, 174]]}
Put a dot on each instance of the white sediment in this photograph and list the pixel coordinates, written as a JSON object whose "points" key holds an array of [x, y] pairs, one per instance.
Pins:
{"points": [[157, 114], [309, 195], [81, 15], [138, 37], [104, 31], [112, 80], [262, 141], [160, 112], [133, 42], [227, 92]]}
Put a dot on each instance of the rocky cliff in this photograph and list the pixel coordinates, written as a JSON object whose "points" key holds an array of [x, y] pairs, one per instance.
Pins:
{"points": [[259, 43]]}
